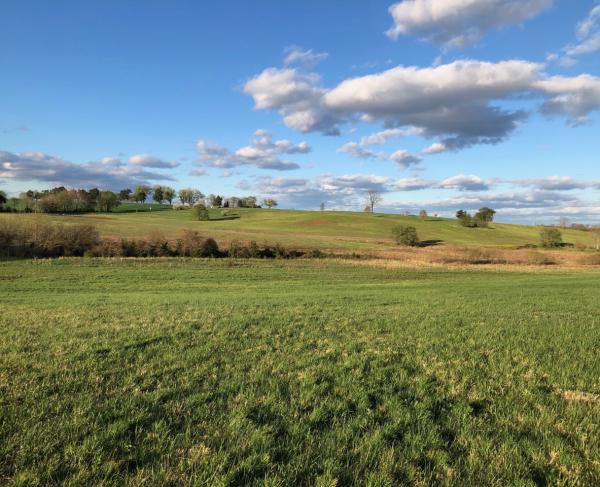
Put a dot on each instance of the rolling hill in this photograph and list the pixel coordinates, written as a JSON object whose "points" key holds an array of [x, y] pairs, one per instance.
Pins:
{"points": [[331, 230]]}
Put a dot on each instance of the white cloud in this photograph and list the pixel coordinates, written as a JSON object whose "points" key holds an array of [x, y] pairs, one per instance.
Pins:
{"points": [[456, 102], [146, 160], [383, 136], [106, 173], [307, 57], [588, 40], [405, 159], [457, 23], [574, 96], [435, 148], [464, 183], [413, 184], [263, 152], [556, 183], [358, 152]]}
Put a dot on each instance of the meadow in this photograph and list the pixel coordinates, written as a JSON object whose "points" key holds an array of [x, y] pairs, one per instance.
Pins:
{"points": [[328, 230], [305, 372]]}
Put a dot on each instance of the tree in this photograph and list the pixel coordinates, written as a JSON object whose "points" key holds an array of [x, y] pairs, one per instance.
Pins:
{"points": [[107, 200], [405, 235], [550, 237], [189, 196], [3, 199], [125, 194], [596, 236], [373, 199], [200, 212], [141, 193], [322, 206], [465, 219], [215, 201], [168, 194], [158, 194], [423, 214], [563, 222], [269, 202], [484, 216]]}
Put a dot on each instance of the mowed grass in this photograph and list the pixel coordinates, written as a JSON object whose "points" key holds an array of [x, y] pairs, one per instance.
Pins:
{"points": [[307, 372], [340, 231]]}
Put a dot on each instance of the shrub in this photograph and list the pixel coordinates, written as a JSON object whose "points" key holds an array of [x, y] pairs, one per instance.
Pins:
{"points": [[32, 237], [550, 237], [210, 248], [200, 212], [405, 235], [190, 244]]}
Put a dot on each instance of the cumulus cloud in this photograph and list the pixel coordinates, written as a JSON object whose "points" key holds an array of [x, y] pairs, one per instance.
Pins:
{"points": [[383, 136], [435, 148], [457, 103], [413, 184], [263, 152], [464, 183], [556, 183], [358, 152], [575, 96], [588, 40], [109, 172], [306, 57], [146, 160], [457, 23], [405, 159], [297, 96]]}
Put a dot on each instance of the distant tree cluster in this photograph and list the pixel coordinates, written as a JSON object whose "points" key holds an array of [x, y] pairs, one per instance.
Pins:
{"points": [[481, 219], [63, 200]]}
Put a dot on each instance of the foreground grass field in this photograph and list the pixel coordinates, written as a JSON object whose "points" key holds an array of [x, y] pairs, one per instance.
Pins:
{"points": [[201, 372], [337, 231]]}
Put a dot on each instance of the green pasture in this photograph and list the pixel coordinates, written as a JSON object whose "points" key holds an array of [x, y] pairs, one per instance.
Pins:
{"points": [[287, 373]]}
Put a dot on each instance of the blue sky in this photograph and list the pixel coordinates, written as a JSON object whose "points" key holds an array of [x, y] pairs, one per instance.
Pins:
{"points": [[278, 98]]}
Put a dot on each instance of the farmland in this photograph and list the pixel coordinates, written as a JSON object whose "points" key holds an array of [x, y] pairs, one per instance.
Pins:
{"points": [[329, 230], [321, 372]]}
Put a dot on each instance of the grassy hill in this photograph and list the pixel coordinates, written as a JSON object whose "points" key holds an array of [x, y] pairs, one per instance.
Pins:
{"points": [[313, 229]]}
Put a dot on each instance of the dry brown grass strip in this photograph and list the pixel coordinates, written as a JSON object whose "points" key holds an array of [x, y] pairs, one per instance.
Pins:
{"points": [[578, 396]]}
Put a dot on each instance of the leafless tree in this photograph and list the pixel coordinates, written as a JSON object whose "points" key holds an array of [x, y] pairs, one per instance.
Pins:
{"points": [[373, 199], [596, 235]]}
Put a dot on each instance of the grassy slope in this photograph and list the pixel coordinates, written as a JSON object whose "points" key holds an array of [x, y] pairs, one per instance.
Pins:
{"points": [[289, 372], [330, 230]]}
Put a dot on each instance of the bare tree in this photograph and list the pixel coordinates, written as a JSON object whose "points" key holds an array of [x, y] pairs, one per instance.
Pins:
{"points": [[563, 222], [373, 198], [596, 236]]}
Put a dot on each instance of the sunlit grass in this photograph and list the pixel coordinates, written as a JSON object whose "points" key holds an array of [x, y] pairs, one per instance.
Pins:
{"points": [[343, 231], [202, 372]]}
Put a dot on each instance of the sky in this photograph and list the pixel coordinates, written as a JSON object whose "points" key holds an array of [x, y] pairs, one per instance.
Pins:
{"points": [[438, 104]]}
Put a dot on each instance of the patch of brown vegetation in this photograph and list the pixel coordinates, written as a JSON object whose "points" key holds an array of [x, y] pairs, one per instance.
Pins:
{"points": [[578, 396]]}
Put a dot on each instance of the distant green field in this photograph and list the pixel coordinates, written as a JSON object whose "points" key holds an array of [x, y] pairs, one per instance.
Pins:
{"points": [[218, 372], [313, 229]]}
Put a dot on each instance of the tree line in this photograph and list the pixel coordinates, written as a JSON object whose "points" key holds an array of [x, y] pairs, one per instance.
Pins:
{"points": [[64, 200]]}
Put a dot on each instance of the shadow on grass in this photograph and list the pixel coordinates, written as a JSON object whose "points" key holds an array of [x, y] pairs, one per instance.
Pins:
{"points": [[224, 217], [429, 243]]}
